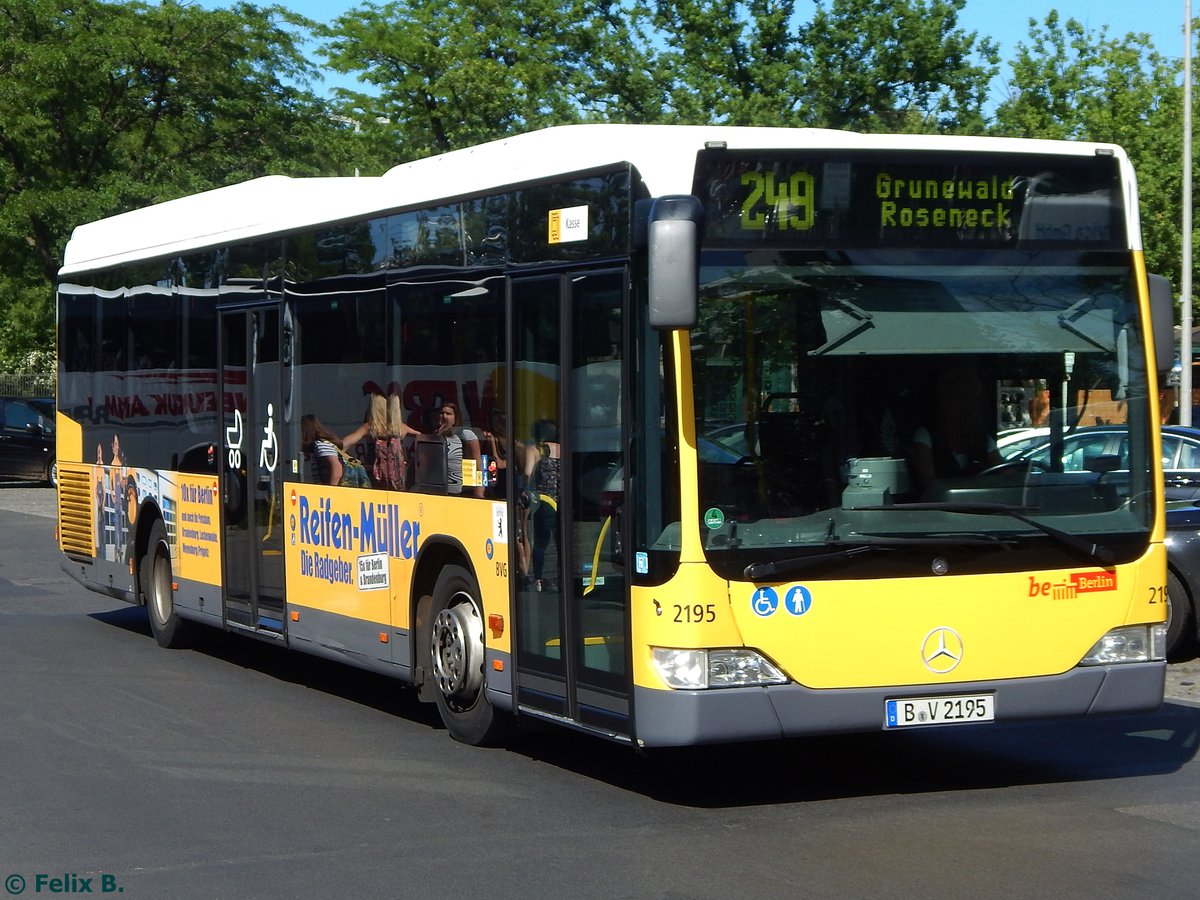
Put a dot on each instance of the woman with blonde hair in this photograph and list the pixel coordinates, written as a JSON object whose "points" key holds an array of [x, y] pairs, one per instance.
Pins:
{"points": [[382, 433], [375, 421], [395, 417]]}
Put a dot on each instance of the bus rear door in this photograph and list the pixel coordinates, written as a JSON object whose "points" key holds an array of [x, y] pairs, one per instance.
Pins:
{"points": [[251, 473]]}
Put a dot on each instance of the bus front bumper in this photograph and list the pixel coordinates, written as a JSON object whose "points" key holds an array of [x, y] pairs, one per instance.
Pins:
{"points": [[667, 718]]}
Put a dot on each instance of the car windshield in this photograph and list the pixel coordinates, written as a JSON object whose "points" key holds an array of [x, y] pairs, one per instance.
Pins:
{"points": [[862, 396]]}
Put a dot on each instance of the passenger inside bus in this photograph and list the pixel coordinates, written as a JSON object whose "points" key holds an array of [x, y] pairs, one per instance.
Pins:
{"points": [[321, 450], [543, 475], [493, 445], [461, 444], [378, 441], [955, 441]]}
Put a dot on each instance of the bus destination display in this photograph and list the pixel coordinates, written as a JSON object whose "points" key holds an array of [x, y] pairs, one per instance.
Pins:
{"points": [[920, 200]]}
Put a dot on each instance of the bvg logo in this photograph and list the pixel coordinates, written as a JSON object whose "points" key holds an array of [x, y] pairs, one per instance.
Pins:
{"points": [[1076, 583]]}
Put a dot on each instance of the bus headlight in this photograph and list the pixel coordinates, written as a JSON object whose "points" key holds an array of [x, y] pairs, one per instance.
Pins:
{"points": [[1131, 644], [701, 669]]}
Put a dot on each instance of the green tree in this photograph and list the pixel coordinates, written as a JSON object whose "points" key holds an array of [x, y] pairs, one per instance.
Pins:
{"points": [[107, 106], [1072, 82], [732, 62], [868, 65], [620, 74], [450, 74], [893, 65]]}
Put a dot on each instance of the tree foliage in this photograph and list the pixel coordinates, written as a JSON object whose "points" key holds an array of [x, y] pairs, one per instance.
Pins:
{"points": [[734, 62], [108, 106], [875, 65], [448, 75], [1071, 82]]}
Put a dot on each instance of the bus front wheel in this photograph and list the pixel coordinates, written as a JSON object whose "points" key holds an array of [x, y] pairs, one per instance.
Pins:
{"points": [[456, 651], [1179, 617], [154, 574]]}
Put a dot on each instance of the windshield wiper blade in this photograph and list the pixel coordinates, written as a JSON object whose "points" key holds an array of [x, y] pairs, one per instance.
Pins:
{"points": [[1099, 552], [760, 571], [763, 570]]}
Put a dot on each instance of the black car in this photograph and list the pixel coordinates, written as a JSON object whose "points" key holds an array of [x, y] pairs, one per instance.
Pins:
{"points": [[1183, 578], [27, 439]]}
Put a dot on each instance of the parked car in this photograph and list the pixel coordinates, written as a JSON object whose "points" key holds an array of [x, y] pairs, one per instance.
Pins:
{"points": [[27, 439], [1018, 440], [1180, 454], [711, 451], [732, 437], [1183, 579]]}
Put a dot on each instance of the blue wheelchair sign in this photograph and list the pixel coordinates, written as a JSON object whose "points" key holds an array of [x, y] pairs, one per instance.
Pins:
{"points": [[764, 601]]}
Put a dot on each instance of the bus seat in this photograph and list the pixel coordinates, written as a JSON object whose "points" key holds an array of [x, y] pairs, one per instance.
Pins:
{"points": [[429, 464]]}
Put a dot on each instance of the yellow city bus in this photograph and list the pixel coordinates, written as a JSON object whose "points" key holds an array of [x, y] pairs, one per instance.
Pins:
{"points": [[699, 428]]}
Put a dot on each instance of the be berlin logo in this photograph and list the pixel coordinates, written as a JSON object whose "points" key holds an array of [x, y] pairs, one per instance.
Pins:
{"points": [[68, 883]]}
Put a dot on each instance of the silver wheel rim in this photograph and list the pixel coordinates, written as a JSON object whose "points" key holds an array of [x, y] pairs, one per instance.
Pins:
{"points": [[160, 588], [457, 651]]}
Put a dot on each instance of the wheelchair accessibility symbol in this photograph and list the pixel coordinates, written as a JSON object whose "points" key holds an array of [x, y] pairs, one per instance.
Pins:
{"points": [[764, 602]]}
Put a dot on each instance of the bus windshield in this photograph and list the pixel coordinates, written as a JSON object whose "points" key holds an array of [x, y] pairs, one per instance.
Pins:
{"points": [[862, 398]]}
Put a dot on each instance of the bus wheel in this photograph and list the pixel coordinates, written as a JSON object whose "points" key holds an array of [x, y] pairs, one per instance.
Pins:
{"points": [[154, 575], [1179, 616], [456, 653]]}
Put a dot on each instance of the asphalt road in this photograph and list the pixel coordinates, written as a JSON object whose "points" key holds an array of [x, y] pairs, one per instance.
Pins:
{"points": [[238, 770]]}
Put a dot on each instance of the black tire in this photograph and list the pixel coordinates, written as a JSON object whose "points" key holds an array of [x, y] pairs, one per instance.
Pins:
{"points": [[456, 648], [52, 473], [1180, 616], [154, 580]]}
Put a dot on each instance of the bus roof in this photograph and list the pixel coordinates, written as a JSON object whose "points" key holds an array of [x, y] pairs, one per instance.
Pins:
{"points": [[662, 154]]}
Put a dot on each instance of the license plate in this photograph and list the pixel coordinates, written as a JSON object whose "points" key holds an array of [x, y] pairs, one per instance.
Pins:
{"points": [[907, 712]]}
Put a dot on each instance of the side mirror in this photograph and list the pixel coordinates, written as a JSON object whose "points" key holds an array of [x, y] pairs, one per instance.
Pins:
{"points": [[674, 264], [1162, 321]]}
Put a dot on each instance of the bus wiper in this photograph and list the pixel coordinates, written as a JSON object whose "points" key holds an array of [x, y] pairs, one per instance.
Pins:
{"points": [[763, 570], [759, 571], [1102, 554]]}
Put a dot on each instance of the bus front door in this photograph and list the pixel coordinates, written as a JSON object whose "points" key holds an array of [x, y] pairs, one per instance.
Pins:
{"points": [[251, 474], [568, 381]]}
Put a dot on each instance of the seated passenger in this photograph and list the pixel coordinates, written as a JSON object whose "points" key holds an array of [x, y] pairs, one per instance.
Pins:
{"points": [[956, 443]]}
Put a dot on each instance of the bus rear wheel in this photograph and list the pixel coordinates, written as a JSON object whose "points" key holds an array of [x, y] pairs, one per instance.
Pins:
{"points": [[456, 651], [154, 576]]}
